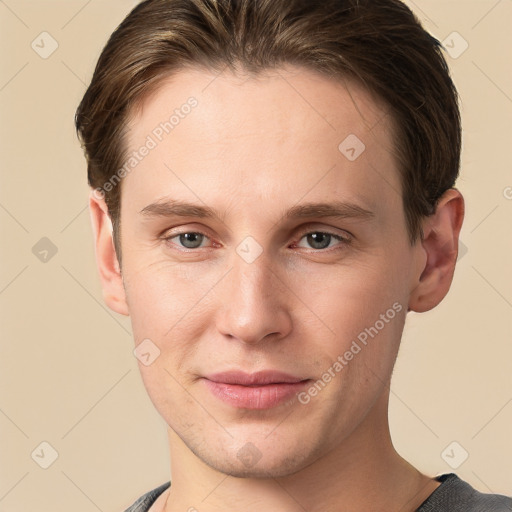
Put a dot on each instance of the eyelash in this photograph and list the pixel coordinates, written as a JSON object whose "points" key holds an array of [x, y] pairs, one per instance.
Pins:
{"points": [[342, 239]]}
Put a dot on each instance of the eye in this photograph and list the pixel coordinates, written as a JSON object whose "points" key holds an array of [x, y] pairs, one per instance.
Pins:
{"points": [[188, 240], [318, 240], [322, 240]]}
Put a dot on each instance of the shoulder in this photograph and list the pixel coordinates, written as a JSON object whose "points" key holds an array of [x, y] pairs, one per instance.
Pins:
{"points": [[456, 495], [144, 502]]}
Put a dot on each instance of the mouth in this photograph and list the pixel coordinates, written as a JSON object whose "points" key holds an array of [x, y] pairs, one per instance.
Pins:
{"points": [[260, 390]]}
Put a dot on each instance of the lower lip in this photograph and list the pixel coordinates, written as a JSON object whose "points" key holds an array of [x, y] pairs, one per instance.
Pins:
{"points": [[255, 397]]}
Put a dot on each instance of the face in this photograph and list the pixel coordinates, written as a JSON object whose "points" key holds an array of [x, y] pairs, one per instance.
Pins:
{"points": [[266, 257]]}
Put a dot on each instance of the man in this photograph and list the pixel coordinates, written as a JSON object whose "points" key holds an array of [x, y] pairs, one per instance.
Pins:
{"points": [[272, 192]]}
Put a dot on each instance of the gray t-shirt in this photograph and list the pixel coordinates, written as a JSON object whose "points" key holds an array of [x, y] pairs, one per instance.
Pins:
{"points": [[453, 495]]}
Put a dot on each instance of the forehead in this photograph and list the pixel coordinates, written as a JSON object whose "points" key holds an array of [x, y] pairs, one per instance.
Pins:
{"points": [[278, 132]]}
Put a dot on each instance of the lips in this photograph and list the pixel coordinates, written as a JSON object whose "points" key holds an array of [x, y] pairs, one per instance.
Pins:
{"points": [[260, 390], [254, 379]]}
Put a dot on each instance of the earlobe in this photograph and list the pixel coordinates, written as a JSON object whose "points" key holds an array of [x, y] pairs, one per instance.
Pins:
{"points": [[440, 246], [106, 259]]}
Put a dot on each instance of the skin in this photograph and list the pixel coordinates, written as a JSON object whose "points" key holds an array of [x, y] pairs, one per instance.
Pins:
{"points": [[252, 149]]}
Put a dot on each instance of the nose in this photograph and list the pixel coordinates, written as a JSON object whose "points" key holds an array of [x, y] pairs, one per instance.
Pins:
{"points": [[255, 302]]}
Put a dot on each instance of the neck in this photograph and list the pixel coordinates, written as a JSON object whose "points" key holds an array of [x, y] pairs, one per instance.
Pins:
{"points": [[363, 472]]}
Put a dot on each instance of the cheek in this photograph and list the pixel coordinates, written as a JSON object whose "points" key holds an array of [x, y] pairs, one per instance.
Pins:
{"points": [[165, 307], [170, 305], [164, 296], [362, 311], [347, 299], [166, 392]]}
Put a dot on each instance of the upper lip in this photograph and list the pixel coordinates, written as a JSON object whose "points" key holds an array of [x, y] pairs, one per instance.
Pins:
{"points": [[254, 379]]}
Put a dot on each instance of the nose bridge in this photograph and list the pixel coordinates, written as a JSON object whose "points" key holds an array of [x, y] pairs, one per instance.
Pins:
{"points": [[253, 301], [253, 279]]}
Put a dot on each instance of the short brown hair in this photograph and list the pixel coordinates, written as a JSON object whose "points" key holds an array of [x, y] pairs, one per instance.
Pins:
{"points": [[379, 43]]}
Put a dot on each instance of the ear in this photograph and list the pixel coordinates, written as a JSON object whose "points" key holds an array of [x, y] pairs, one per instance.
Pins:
{"points": [[106, 259], [440, 245]]}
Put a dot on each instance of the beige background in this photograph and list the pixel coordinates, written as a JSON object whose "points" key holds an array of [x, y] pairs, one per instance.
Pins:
{"points": [[68, 375]]}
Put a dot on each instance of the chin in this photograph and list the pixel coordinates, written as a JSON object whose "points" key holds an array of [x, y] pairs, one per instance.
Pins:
{"points": [[248, 461]]}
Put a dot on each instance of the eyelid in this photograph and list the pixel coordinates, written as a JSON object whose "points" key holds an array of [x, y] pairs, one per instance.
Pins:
{"points": [[344, 239], [309, 228], [345, 235]]}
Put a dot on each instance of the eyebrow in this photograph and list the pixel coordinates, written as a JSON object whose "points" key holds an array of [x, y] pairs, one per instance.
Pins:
{"points": [[337, 210]]}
